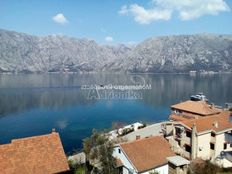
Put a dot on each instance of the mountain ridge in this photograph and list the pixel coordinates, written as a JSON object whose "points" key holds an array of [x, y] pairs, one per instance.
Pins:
{"points": [[23, 53]]}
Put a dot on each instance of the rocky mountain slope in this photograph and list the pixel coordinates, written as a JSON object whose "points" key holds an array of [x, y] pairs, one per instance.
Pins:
{"points": [[22, 53]]}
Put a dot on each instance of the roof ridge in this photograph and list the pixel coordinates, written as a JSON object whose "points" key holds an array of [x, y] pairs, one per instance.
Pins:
{"points": [[141, 139], [34, 137]]}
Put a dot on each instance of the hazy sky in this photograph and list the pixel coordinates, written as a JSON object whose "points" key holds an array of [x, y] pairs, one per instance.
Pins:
{"points": [[116, 21]]}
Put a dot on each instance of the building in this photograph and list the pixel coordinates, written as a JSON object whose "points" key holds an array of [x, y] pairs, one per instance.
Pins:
{"points": [[149, 130], [34, 155], [177, 165], [193, 110], [209, 138], [143, 156]]}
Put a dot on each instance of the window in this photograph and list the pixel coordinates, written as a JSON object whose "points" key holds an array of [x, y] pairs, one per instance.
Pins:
{"points": [[225, 146], [212, 146], [188, 134], [187, 148], [119, 150], [178, 132], [213, 134]]}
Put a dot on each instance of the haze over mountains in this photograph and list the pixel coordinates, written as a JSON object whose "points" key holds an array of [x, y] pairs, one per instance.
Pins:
{"points": [[22, 53]]}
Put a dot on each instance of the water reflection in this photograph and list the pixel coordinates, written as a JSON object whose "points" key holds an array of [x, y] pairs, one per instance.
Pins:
{"points": [[34, 104], [25, 92]]}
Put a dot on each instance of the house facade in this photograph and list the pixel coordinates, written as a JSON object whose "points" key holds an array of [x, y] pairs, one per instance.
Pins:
{"points": [[209, 138], [143, 156]]}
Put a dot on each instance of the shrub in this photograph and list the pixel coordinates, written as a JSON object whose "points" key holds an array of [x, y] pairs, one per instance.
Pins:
{"points": [[127, 131], [205, 167]]}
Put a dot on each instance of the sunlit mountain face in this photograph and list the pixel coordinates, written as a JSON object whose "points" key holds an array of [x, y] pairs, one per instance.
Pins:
{"points": [[167, 54]]}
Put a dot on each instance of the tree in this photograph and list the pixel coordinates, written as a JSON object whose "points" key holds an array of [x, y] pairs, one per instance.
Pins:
{"points": [[203, 167], [99, 149]]}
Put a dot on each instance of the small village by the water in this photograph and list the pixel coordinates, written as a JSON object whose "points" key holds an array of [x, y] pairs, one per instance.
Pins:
{"points": [[197, 136], [115, 87]]}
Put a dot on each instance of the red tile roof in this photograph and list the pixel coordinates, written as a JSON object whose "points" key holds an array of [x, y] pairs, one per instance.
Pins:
{"points": [[148, 153], [176, 117], [33, 155], [216, 123], [197, 107]]}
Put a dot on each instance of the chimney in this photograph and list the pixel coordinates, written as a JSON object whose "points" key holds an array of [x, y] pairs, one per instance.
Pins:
{"points": [[194, 142], [137, 137], [53, 130]]}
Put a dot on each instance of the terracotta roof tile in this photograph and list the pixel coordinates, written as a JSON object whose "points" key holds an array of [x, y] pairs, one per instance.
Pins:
{"points": [[197, 107], [216, 123], [33, 155], [148, 153], [176, 117]]}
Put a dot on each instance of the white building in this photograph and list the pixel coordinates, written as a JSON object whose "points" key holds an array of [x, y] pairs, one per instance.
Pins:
{"points": [[143, 156], [209, 138]]}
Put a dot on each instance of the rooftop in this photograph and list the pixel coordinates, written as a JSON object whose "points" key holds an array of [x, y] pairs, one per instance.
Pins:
{"points": [[176, 117], [215, 123], [148, 153], [150, 130], [197, 107], [178, 160], [34, 155]]}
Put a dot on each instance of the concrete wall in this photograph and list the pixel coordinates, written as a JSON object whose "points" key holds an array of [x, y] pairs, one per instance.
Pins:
{"points": [[220, 140], [206, 153], [125, 161], [219, 145], [162, 170], [203, 146], [177, 170]]}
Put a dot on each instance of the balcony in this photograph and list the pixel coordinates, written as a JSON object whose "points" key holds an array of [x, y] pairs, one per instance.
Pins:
{"points": [[228, 155], [183, 139], [228, 137]]}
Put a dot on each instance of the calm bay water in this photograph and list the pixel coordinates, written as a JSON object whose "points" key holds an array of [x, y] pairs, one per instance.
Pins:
{"points": [[34, 104]]}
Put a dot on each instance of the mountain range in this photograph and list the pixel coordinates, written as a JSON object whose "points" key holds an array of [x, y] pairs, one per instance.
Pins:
{"points": [[23, 53]]}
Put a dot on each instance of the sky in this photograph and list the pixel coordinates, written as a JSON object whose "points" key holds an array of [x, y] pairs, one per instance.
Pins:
{"points": [[116, 21]]}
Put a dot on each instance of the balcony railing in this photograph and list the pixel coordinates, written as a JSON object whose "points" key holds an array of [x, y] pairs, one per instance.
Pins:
{"points": [[228, 137]]}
